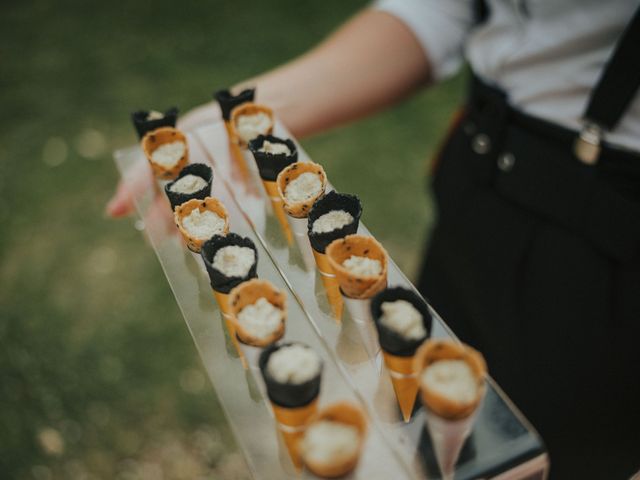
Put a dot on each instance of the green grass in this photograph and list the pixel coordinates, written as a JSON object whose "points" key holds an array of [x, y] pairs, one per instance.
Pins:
{"points": [[100, 378]]}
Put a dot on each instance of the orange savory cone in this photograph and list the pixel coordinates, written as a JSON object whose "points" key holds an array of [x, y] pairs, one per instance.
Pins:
{"points": [[300, 209], [223, 302], [227, 127], [404, 381], [248, 293], [352, 285], [342, 413], [164, 136], [449, 418], [209, 203], [433, 351], [250, 109], [291, 423]]}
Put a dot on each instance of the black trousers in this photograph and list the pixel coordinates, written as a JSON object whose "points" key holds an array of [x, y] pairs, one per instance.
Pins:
{"points": [[535, 261]]}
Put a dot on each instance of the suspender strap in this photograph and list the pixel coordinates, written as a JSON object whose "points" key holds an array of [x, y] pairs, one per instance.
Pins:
{"points": [[619, 81], [612, 94]]}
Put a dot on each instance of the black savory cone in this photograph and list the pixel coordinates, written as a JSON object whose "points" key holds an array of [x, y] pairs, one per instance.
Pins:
{"points": [[333, 201], [142, 125], [288, 394], [219, 281], [228, 101], [391, 341], [269, 164], [199, 170]]}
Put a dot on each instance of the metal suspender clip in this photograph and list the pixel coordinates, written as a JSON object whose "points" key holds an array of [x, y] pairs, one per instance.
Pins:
{"points": [[588, 144]]}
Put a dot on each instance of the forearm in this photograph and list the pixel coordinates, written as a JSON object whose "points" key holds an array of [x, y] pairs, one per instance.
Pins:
{"points": [[367, 64]]}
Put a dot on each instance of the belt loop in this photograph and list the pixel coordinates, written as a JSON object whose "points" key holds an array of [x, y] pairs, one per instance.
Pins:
{"points": [[588, 144]]}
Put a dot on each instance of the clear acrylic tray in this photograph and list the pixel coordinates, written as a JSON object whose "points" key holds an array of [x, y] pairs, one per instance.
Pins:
{"points": [[501, 445]]}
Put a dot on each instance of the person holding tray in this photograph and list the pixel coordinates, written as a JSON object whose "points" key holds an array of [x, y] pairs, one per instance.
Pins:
{"points": [[535, 257]]}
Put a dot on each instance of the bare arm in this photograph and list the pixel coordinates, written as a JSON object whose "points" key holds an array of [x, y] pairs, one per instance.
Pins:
{"points": [[369, 63]]}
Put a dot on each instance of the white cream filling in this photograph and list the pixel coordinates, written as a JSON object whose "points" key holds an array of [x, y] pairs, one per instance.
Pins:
{"points": [[250, 126], [260, 319], [452, 379], [275, 148], [203, 225], [403, 318], [363, 266], [331, 221], [327, 442], [188, 184], [234, 261], [303, 188], [294, 364], [168, 154], [154, 115]]}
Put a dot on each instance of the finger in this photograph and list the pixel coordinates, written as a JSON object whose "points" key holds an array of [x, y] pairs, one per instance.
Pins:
{"points": [[121, 203], [133, 185]]}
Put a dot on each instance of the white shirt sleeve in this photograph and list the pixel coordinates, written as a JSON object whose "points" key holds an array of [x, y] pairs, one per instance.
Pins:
{"points": [[441, 27]]}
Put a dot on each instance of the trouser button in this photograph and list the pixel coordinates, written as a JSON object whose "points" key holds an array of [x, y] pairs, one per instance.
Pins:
{"points": [[481, 144], [506, 161]]}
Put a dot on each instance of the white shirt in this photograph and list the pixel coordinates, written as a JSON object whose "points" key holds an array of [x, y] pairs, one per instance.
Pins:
{"points": [[546, 54]]}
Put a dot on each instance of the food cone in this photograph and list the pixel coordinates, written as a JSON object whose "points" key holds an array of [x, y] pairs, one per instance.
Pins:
{"points": [[341, 412], [291, 425], [209, 203], [227, 127], [248, 293], [278, 209], [222, 284], [319, 241], [220, 281], [357, 286], [449, 422], [289, 174], [228, 101], [331, 285], [161, 136], [293, 403], [404, 381], [199, 170], [248, 108], [269, 166], [144, 124], [399, 350]]}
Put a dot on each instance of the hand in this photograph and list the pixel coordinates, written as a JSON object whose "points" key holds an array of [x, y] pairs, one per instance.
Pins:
{"points": [[135, 184]]}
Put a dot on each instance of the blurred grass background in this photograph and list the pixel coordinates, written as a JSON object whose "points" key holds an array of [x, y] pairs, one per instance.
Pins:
{"points": [[100, 378]]}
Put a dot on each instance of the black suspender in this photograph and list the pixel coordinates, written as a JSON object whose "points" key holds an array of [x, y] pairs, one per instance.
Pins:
{"points": [[613, 93]]}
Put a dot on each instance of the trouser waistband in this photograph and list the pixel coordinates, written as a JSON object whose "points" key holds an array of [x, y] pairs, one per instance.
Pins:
{"points": [[486, 100], [531, 163]]}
